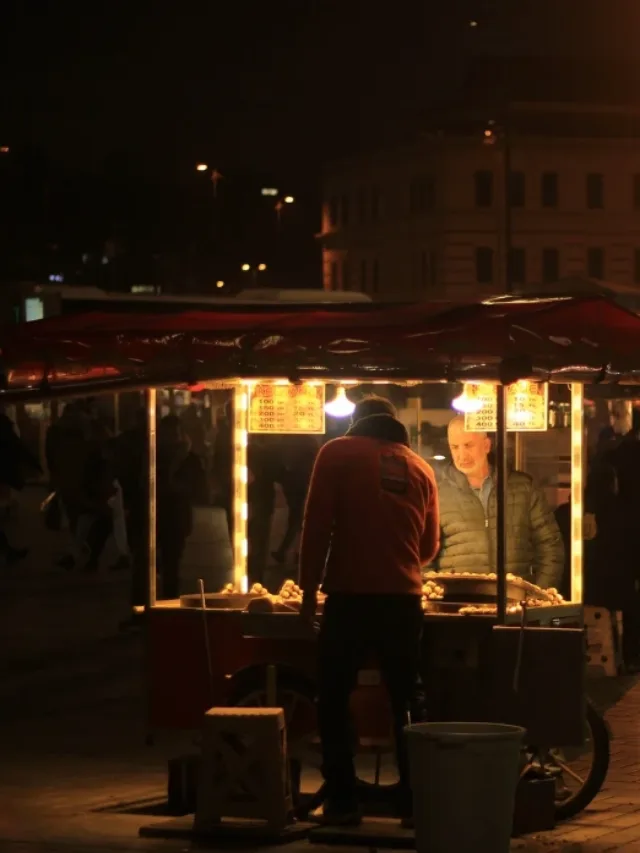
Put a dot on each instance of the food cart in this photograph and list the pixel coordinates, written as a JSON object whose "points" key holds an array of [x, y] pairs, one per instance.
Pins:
{"points": [[496, 648]]}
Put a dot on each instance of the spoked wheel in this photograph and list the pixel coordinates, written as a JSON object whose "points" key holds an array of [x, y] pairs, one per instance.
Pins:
{"points": [[579, 771], [295, 695]]}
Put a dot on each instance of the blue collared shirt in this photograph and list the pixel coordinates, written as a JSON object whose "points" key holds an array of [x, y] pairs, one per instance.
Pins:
{"points": [[483, 494]]}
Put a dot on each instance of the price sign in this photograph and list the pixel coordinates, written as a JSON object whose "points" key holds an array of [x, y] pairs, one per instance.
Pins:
{"points": [[481, 402], [527, 404], [287, 409]]}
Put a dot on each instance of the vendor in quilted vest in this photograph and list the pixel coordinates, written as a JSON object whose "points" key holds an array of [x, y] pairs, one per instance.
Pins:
{"points": [[468, 516]]}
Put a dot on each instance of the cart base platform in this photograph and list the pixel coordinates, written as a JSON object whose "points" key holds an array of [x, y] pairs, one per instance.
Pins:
{"points": [[372, 833], [182, 828]]}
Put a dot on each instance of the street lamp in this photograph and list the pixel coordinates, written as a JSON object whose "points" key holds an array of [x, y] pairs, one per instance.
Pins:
{"points": [[219, 284], [287, 199], [254, 270], [202, 167]]}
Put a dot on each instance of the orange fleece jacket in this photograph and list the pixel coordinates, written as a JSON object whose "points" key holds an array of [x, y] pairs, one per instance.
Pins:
{"points": [[371, 519]]}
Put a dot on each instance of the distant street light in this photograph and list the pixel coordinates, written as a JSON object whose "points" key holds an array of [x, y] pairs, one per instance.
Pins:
{"points": [[269, 191], [254, 270], [287, 199], [202, 167], [4, 149], [219, 284]]}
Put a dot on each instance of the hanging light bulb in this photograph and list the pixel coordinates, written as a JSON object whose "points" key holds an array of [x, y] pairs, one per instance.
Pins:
{"points": [[466, 405], [341, 406]]}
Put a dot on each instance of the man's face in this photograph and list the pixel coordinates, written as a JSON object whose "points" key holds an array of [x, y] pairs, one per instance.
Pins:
{"points": [[469, 451]]}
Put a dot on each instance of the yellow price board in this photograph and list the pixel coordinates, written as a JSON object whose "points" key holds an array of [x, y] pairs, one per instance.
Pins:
{"points": [[287, 409], [527, 407]]}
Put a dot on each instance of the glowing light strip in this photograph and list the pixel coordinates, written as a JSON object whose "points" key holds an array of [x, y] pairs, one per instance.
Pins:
{"points": [[240, 480], [152, 496], [577, 489]]}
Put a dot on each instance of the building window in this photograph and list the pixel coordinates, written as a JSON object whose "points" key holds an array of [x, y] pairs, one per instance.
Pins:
{"points": [[517, 189], [484, 265], [334, 276], [636, 192], [363, 275], [375, 276], [549, 189], [427, 268], [375, 204], [595, 191], [362, 206], [422, 195], [595, 263], [344, 207], [550, 265], [346, 283], [518, 266], [484, 188], [333, 212]]}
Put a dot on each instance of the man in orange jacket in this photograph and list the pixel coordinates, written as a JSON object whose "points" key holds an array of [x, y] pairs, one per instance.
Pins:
{"points": [[371, 523]]}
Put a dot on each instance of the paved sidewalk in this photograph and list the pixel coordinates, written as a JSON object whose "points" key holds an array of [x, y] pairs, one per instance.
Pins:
{"points": [[72, 746]]}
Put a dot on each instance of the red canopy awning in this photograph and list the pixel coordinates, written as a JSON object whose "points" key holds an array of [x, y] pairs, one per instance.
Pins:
{"points": [[556, 338]]}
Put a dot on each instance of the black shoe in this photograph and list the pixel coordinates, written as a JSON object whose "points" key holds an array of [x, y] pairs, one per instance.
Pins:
{"points": [[14, 555]]}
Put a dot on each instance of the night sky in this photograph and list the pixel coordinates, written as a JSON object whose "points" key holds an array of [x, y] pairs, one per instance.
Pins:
{"points": [[265, 90], [262, 82]]}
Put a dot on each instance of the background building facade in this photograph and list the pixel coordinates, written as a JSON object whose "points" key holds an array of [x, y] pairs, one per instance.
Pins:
{"points": [[429, 219]]}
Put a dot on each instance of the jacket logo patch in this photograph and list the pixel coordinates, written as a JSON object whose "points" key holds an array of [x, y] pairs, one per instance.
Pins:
{"points": [[394, 473]]}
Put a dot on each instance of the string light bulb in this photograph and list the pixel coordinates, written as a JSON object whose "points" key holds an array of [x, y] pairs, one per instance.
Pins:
{"points": [[341, 406]]}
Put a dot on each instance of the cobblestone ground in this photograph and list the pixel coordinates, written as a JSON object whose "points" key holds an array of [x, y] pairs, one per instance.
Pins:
{"points": [[72, 733]]}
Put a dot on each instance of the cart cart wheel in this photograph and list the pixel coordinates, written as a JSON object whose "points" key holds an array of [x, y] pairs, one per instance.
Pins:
{"points": [[580, 771], [295, 694]]}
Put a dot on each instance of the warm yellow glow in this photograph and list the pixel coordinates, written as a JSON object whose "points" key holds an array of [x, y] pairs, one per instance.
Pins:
{"points": [[240, 478], [219, 283], [246, 267], [289, 199], [151, 527], [577, 488], [341, 406], [201, 167], [262, 267]]}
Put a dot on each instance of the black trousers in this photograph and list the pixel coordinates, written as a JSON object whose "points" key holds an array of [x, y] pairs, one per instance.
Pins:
{"points": [[355, 628]]}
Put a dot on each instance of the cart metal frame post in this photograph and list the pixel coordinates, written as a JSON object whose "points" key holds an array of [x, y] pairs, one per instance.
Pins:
{"points": [[501, 502], [577, 490], [152, 593]]}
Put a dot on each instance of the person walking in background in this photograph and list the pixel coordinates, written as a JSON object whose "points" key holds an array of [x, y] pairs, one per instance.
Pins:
{"points": [[66, 451], [16, 463], [222, 465], [181, 484], [298, 454], [371, 523]]}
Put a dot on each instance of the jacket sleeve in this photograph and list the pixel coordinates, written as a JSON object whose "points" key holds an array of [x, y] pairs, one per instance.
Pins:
{"points": [[318, 521], [430, 543], [548, 547]]}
